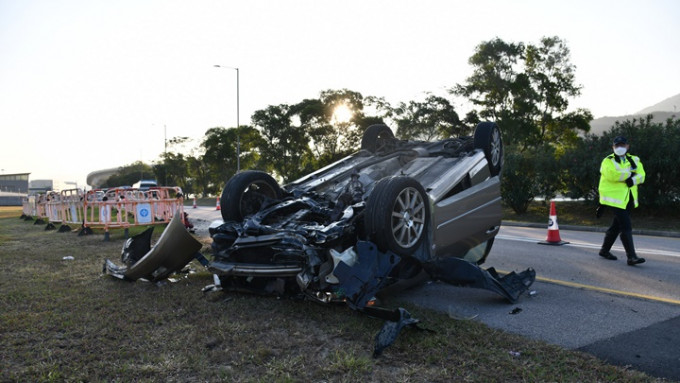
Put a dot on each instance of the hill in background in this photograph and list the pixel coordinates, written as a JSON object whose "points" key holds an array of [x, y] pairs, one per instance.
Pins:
{"points": [[661, 112]]}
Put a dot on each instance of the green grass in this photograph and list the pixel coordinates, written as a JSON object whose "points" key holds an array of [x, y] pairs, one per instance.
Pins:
{"points": [[63, 320], [583, 214]]}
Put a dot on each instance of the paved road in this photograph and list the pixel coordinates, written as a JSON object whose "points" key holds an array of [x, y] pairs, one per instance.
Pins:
{"points": [[622, 314]]}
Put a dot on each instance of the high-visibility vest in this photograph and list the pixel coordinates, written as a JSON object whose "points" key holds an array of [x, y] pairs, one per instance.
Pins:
{"points": [[614, 171]]}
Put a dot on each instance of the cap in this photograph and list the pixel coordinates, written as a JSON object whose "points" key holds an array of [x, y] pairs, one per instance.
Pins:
{"points": [[620, 140]]}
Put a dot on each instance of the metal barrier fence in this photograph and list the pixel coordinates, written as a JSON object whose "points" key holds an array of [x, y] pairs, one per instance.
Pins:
{"points": [[28, 206], [106, 209]]}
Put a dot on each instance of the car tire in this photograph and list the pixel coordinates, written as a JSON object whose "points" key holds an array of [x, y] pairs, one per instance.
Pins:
{"points": [[244, 194], [488, 138], [397, 215], [373, 135]]}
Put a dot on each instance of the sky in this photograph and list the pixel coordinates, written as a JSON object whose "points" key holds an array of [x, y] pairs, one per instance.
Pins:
{"points": [[94, 84]]}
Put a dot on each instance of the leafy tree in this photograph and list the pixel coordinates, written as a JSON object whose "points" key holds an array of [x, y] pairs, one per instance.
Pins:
{"points": [[315, 120], [347, 134], [284, 147], [518, 187], [581, 165], [219, 146], [493, 83], [434, 118], [547, 172], [200, 172], [129, 174], [172, 170], [525, 89], [218, 162]]}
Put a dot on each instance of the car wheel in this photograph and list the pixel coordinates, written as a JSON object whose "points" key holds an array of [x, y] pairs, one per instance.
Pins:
{"points": [[244, 194], [488, 138], [397, 215], [373, 136]]}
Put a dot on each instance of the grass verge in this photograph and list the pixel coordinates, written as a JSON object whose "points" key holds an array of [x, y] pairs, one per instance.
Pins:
{"points": [[62, 320], [583, 214]]}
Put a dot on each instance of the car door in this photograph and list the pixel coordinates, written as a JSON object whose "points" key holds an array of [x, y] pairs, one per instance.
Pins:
{"points": [[468, 216]]}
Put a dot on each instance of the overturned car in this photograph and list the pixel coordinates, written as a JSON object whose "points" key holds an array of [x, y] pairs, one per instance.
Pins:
{"points": [[396, 211]]}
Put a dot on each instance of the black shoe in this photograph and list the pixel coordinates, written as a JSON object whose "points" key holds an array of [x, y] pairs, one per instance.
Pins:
{"points": [[635, 260], [608, 255]]}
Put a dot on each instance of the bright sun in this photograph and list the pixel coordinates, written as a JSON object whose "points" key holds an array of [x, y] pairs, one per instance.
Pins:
{"points": [[342, 114]]}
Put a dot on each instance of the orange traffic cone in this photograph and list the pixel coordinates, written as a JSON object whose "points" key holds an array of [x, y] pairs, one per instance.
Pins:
{"points": [[217, 206], [553, 229], [194, 202]]}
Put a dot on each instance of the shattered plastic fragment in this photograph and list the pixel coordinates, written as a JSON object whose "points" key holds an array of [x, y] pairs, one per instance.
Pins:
{"points": [[68, 258], [457, 316]]}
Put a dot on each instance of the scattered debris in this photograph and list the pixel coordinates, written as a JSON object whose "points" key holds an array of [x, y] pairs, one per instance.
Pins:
{"points": [[515, 311]]}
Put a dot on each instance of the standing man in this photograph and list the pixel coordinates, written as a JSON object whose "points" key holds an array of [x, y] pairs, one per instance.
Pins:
{"points": [[620, 175]]}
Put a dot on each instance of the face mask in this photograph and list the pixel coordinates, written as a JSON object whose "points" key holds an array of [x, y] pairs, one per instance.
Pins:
{"points": [[621, 150]]}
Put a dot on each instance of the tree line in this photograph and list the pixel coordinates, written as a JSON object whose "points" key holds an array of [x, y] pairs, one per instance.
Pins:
{"points": [[525, 88]]}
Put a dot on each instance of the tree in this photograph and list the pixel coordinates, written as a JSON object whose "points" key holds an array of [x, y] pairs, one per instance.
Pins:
{"points": [[172, 170], [525, 89], [346, 133], [219, 145], [518, 187], [314, 119], [581, 165], [284, 147], [129, 174], [434, 118], [200, 172]]}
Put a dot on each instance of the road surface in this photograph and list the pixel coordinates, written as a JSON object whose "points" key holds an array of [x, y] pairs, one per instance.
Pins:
{"points": [[625, 315]]}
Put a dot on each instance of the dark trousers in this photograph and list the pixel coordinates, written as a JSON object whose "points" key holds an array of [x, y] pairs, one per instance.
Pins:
{"points": [[621, 222]]}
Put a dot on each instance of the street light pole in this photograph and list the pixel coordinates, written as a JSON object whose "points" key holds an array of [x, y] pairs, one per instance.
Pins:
{"points": [[238, 138]]}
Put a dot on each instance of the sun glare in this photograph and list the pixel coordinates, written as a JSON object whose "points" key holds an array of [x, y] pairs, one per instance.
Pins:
{"points": [[342, 114]]}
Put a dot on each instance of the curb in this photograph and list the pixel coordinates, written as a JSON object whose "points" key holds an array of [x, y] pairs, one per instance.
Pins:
{"points": [[657, 233]]}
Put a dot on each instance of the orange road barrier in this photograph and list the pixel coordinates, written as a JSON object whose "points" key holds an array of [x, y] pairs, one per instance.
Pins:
{"points": [[553, 229], [72, 208], [125, 207], [28, 207], [107, 209], [40, 208], [53, 209]]}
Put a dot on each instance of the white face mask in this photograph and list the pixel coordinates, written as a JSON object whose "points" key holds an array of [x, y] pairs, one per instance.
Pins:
{"points": [[620, 151]]}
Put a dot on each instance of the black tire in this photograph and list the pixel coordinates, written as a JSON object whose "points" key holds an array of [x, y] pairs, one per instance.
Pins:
{"points": [[373, 136], [244, 194], [488, 138], [397, 215]]}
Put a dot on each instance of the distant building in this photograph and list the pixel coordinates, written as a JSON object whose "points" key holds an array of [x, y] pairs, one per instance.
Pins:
{"points": [[12, 188], [14, 183]]}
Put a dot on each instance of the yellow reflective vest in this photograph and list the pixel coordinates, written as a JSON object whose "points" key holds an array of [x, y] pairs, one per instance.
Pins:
{"points": [[614, 171]]}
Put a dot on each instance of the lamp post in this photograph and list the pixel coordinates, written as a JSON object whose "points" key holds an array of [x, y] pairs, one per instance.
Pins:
{"points": [[238, 138]]}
